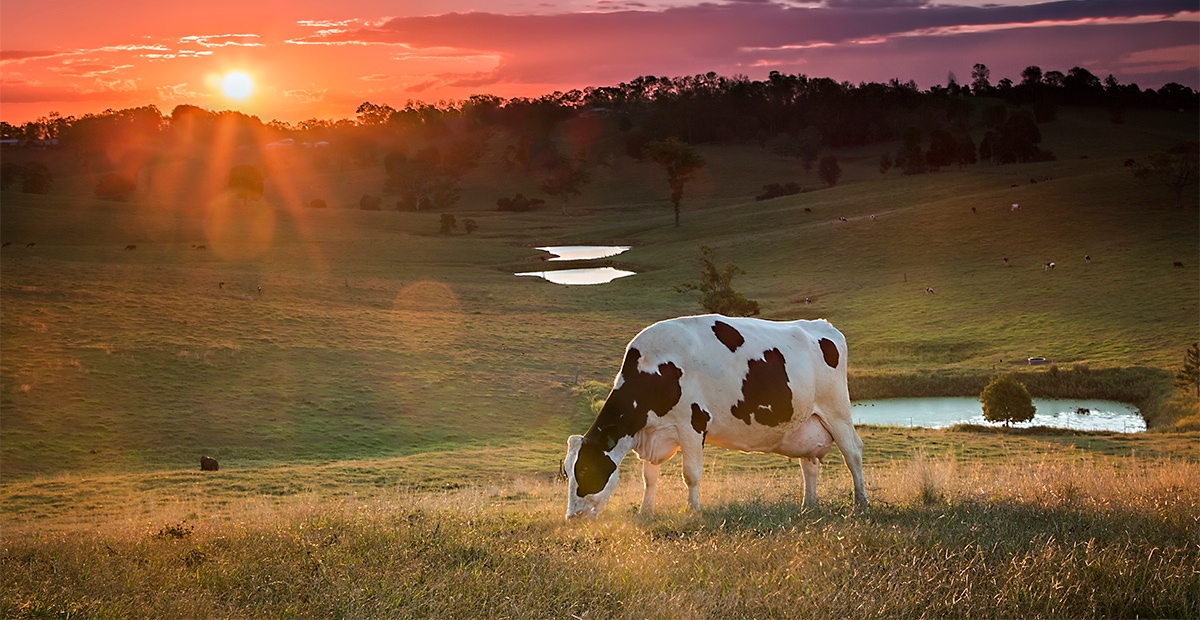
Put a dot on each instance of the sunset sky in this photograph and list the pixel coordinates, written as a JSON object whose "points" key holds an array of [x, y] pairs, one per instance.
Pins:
{"points": [[297, 59]]}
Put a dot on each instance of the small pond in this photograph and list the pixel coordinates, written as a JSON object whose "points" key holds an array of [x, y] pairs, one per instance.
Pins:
{"points": [[1102, 415], [583, 252], [598, 275]]}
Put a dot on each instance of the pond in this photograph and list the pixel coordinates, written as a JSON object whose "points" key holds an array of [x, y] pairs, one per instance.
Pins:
{"points": [[1102, 415], [583, 252], [598, 275]]}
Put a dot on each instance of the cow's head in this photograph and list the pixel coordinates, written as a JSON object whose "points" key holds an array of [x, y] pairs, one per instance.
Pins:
{"points": [[591, 477]]}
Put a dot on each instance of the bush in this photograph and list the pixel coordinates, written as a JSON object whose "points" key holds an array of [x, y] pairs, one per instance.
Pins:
{"points": [[470, 225], [775, 190], [448, 223], [370, 203], [518, 203], [36, 178], [317, 203], [716, 287], [1006, 400], [114, 186]]}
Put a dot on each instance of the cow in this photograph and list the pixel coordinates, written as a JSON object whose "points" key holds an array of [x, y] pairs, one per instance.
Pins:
{"points": [[737, 383]]}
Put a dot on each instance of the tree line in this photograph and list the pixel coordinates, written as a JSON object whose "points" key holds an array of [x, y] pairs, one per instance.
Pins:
{"points": [[425, 148]]}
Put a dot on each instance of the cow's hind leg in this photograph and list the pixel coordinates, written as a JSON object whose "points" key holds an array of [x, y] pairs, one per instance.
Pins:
{"points": [[650, 473], [848, 441]]}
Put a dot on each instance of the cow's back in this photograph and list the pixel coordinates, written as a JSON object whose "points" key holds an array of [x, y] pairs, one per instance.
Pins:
{"points": [[750, 381]]}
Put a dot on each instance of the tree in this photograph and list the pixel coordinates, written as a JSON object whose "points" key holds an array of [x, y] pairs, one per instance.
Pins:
{"points": [[448, 223], [1176, 168], [566, 180], [885, 162], [246, 182], [470, 225], [36, 178], [716, 287], [980, 76], [829, 170], [1188, 377], [680, 163], [1006, 400], [114, 186]]}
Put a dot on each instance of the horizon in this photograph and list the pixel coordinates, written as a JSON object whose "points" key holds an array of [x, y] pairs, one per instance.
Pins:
{"points": [[309, 60]]}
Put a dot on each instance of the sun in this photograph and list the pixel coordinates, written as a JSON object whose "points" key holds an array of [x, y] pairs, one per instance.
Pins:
{"points": [[237, 85]]}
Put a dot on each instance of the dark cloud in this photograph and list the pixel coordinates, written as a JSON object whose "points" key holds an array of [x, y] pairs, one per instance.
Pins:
{"points": [[605, 47]]}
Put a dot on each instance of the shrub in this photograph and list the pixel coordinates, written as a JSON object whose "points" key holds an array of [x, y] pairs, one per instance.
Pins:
{"points": [[518, 203], [470, 225], [775, 190], [114, 186], [317, 203], [1006, 400], [370, 203], [448, 223], [716, 287]]}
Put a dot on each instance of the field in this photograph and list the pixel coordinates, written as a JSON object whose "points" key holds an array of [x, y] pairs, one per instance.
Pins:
{"points": [[389, 405]]}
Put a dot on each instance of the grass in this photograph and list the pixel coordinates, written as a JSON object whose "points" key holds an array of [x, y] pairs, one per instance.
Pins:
{"points": [[390, 411], [1074, 533]]}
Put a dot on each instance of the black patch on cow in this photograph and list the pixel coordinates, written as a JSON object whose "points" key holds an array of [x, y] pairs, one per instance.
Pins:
{"points": [[700, 419], [829, 350], [592, 468], [624, 414], [766, 396], [728, 335]]}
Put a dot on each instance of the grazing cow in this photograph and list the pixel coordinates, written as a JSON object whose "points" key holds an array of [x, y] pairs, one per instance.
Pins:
{"points": [[1178, 264], [31, 244], [131, 247], [737, 383], [220, 285], [807, 210], [1087, 258], [1015, 207], [7, 243], [208, 463], [202, 247], [1005, 261], [842, 219], [1048, 266], [928, 290]]}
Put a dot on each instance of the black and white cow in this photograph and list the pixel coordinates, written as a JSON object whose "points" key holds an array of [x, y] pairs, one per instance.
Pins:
{"points": [[738, 383]]}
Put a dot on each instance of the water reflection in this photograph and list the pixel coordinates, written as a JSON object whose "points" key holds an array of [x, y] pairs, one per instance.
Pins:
{"points": [[1101, 415], [583, 252], [598, 275]]}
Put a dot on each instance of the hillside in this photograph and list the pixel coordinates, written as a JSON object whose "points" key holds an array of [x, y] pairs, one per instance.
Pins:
{"points": [[375, 336]]}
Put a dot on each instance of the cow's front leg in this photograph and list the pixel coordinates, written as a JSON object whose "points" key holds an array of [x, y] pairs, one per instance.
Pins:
{"points": [[650, 473], [811, 468], [693, 464]]}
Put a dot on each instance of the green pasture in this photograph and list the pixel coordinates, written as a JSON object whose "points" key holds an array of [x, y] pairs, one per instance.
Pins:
{"points": [[375, 336], [390, 405]]}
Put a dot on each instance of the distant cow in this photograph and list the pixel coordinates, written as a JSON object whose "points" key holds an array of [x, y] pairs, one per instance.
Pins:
{"points": [[6, 244], [1178, 264], [208, 463], [31, 244], [131, 247], [1048, 266], [738, 383]]}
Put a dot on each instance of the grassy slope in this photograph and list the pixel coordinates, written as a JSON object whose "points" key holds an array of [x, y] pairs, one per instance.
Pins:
{"points": [[389, 412], [374, 336]]}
